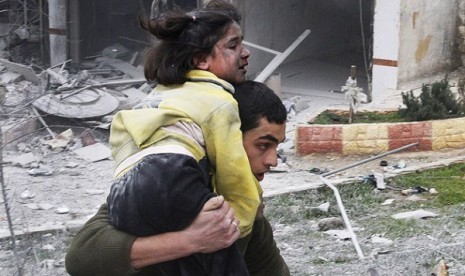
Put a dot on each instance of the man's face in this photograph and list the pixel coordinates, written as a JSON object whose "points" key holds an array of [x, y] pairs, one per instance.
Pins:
{"points": [[229, 57], [261, 145]]}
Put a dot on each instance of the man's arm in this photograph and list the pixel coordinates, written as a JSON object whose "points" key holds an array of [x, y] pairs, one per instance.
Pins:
{"points": [[211, 231], [100, 249]]}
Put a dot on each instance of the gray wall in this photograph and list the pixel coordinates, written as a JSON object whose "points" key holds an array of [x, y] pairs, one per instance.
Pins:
{"points": [[427, 38], [334, 25]]}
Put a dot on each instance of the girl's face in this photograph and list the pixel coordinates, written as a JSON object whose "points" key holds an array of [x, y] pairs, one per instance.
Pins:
{"points": [[229, 57]]}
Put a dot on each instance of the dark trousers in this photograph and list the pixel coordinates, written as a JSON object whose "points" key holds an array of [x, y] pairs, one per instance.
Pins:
{"points": [[164, 193]]}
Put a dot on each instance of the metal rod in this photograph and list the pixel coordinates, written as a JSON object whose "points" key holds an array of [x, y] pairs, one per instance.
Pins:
{"points": [[121, 82], [347, 223], [43, 122], [261, 48], [278, 59], [370, 159], [41, 29], [353, 237]]}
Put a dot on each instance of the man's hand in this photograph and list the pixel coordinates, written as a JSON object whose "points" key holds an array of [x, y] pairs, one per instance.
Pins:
{"points": [[215, 227]]}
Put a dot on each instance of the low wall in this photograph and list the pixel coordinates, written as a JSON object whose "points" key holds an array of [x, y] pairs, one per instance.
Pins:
{"points": [[365, 139]]}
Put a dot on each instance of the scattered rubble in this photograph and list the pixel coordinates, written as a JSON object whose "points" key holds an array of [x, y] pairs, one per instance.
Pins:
{"points": [[330, 223], [417, 214]]}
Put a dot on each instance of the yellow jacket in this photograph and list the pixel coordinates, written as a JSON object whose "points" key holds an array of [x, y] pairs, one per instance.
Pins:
{"points": [[206, 101]]}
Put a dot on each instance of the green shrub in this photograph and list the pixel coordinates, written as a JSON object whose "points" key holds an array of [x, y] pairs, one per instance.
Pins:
{"points": [[436, 101]]}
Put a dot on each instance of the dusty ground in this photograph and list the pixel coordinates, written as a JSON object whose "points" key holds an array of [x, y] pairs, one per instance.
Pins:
{"points": [[53, 206]]}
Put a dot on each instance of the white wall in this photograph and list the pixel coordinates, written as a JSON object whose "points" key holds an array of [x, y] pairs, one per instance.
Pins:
{"points": [[385, 48], [427, 37], [276, 24], [412, 39]]}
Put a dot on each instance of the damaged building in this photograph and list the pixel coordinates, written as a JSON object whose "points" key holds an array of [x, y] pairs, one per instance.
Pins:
{"points": [[312, 45]]}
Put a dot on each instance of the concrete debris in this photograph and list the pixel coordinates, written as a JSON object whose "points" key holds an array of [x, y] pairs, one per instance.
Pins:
{"points": [[379, 239], [9, 77], [41, 171], [324, 207], [23, 160], [81, 94], [47, 264], [71, 165], [380, 184], [417, 214], [440, 269], [39, 206], [388, 201], [48, 247], [94, 192], [401, 164], [22, 32], [129, 97], [61, 140], [291, 107], [433, 191], [27, 71], [27, 195], [93, 153], [339, 234], [287, 145], [62, 210], [57, 77], [330, 223]]}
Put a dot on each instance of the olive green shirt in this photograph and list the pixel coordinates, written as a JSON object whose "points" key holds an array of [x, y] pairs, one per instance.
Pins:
{"points": [[101, 249]]}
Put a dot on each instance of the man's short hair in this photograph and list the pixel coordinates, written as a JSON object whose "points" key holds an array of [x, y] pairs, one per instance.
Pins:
{"points": [[256, 101]]}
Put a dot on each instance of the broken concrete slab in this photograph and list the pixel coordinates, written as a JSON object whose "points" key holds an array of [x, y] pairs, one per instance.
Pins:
{"points": [[379, 239], [40, 171], [94, 153], [417, 214], [339, 234], [24, 70], [10, 76], [23, 160], [330, 223], [61, 140]]}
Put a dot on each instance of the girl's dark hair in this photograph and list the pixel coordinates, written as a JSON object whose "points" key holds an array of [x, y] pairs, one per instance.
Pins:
{"points": [[181, 36], [257, 101]]}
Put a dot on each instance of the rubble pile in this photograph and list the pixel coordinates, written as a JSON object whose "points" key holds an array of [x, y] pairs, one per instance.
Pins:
{"points": [[29, 98]]}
